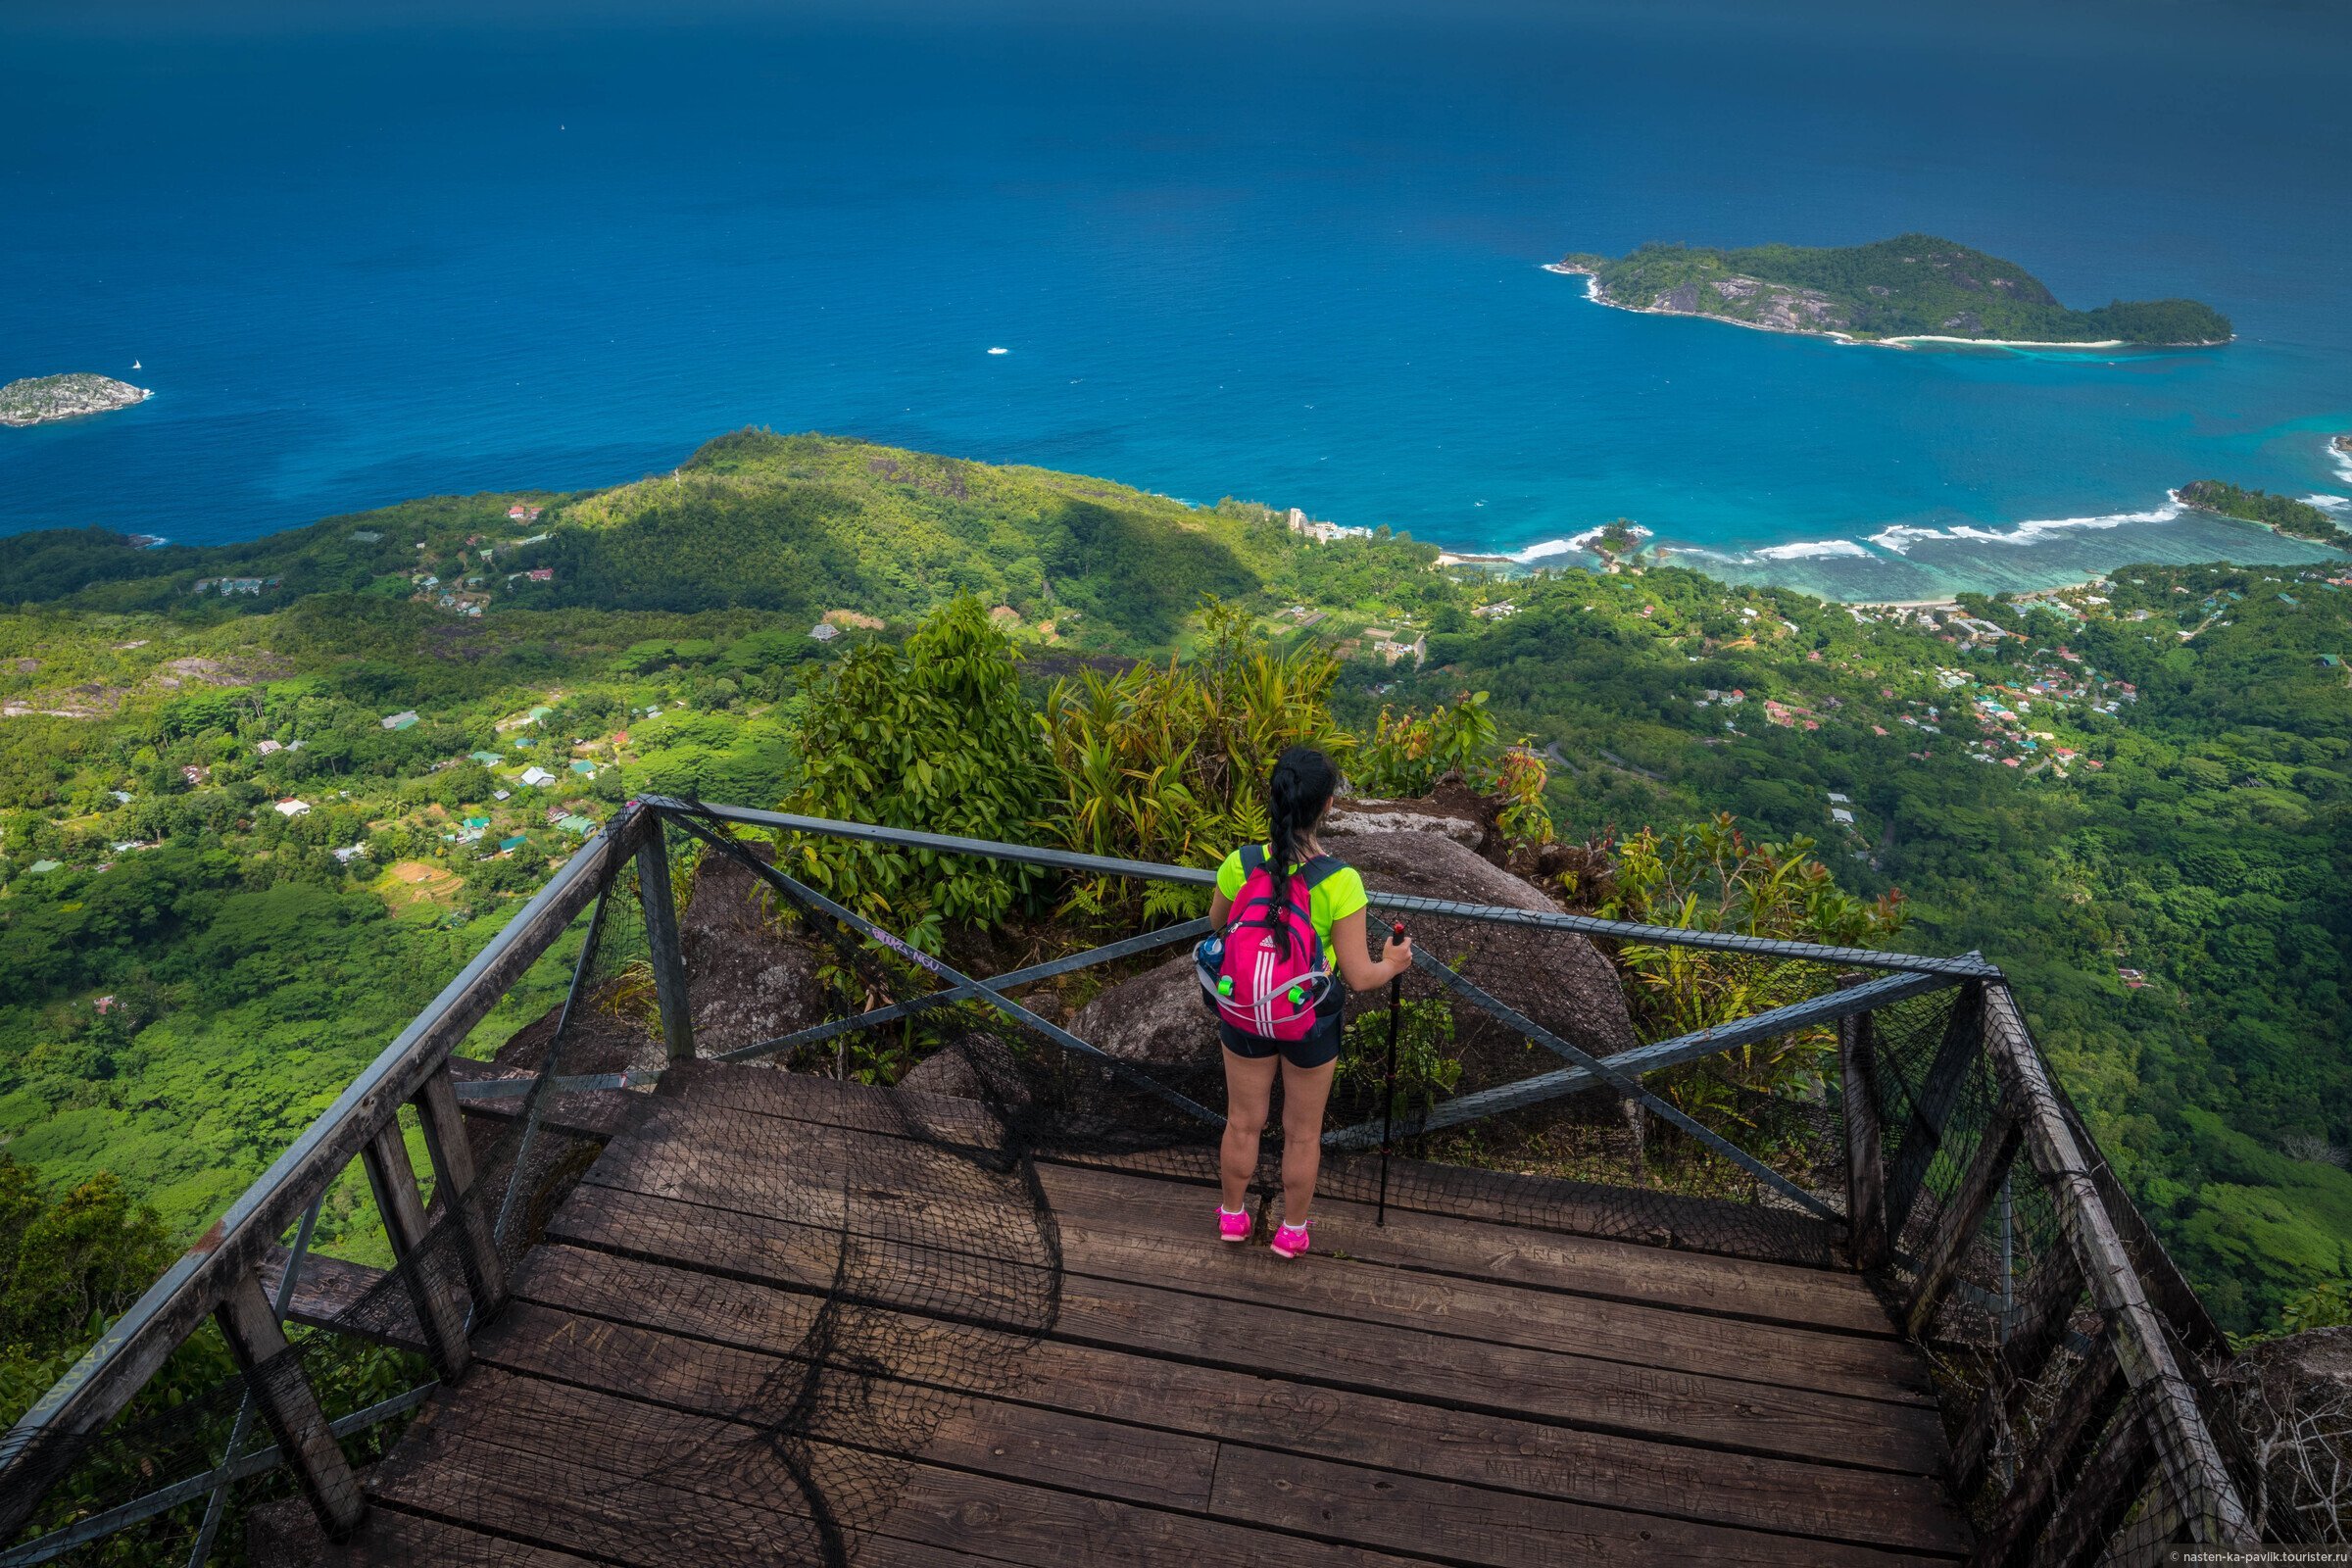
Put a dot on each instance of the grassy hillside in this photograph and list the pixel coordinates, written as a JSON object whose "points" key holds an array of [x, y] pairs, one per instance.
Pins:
{"points": [[1911, 285], [797, 525]]}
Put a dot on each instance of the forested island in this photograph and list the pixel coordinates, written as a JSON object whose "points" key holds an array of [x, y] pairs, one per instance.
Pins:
{"points": [[1912, 287], [2282, 512], [259, 801], [39, 399]]}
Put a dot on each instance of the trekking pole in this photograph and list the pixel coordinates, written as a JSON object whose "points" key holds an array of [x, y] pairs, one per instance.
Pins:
{"points": [[1388, 1088]]}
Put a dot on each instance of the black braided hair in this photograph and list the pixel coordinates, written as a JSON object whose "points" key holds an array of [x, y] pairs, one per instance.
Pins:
{"points": [[1296, 798]]}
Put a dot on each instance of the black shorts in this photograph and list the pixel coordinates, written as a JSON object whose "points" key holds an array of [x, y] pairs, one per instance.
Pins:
{"points": [[1319, 1045]]}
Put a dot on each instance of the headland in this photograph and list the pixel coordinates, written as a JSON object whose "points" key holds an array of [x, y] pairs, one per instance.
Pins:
{"points": [[1909, 290]]}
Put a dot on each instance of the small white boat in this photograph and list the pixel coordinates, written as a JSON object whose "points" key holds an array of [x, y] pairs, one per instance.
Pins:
{"points": [[1000, 351], [134, 365]]}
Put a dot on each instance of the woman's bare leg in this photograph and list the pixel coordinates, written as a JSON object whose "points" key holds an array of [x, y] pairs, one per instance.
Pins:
{"points": [[1305, 1092], [1248, 1089]]}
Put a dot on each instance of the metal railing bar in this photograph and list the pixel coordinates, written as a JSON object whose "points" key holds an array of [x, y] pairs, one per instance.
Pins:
{"points": [[1642, 1061], [896, 1011], [216, 1506], [940, 843], [130, 1352], [810, 898], [1971, 966], [517, 1087], [1629, 1086], [56, 1544], [1967, 967]]}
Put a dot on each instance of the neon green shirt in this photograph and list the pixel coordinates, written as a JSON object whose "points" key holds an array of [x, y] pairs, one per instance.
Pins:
{"points": [[1331, 900]]}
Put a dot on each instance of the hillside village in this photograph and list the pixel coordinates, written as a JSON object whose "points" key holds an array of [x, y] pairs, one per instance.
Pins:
{"points": [[327, 728]]}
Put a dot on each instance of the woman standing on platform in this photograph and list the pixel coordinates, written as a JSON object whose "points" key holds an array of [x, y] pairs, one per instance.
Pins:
{"points": [[1283, 913]]}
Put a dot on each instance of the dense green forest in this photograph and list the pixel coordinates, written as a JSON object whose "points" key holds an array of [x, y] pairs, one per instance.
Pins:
{"points": [[231, 863], [2282, 512], [1914, 285]]}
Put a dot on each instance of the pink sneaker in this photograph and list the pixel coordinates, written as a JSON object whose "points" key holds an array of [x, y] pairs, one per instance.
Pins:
{"points": [[1290, 1241], [1231, 1227]]}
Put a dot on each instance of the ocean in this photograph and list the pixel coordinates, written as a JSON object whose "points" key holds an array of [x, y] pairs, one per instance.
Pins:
{"points": [[1288, 252]]}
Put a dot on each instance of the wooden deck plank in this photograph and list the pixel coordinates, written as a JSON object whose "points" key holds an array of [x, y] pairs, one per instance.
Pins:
{"points": [[1660, 1222], [1578, 1265], [1370, 1357], [945, 1425], [1110, 1228], [1135, 1230], [689, 1489], [328, 1288], [1469, 1524], [1097, 1380], [1778, 1494], [395, 1539], [1439, 1244]]}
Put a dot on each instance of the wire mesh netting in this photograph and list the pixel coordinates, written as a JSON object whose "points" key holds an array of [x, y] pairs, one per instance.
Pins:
{"points": [[2051, 1442], [181, 1470], [737, 1308]]}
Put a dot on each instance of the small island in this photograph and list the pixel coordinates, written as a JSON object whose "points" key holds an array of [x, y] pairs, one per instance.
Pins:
{"points": [[1913, 288], [2282, 512], [39, 399]]}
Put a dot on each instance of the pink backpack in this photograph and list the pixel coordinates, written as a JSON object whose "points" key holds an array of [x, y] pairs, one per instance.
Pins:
{"points": [[1252, 980]]}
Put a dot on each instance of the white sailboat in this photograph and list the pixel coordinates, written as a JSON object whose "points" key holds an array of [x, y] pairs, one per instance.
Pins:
{"points": [[134, 365]]}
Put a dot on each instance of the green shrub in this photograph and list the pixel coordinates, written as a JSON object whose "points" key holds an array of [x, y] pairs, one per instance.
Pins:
{"points": [[1712, 877], [1168, 763], [1410, 753], [936, 738]]}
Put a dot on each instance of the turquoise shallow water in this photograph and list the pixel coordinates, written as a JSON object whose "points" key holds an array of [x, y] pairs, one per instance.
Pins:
{"points": [[1292, 257]]}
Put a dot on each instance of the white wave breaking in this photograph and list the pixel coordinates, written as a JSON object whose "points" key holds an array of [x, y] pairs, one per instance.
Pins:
{"points": [[1811, 550], [2327, 503], [1900, 537], [1547, 549]]}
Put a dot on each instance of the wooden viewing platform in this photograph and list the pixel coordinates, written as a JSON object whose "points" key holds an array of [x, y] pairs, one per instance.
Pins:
{"points": [[761, 1319], [1449, 1389]]}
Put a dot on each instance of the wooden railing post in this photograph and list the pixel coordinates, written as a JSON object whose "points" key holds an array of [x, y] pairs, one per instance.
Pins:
{"points": [[1956, 1228], [2103, 1491], [2214, 1512], [2040, 1328], [661, 937], [453, 1178], [1922, 1130], [1865, 1142], [2076, 1418], [282, 1393], [435, 1288]]}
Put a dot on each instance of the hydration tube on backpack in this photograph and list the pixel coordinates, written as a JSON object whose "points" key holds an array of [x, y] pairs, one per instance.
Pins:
{"points": [[1253, 979]]}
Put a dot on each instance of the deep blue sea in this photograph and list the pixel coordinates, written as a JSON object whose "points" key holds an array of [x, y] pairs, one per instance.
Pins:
{"points": [[1283, 252]]}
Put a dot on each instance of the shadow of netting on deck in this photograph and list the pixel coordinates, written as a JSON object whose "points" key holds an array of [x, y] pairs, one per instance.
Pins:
{"points": [[1578, 1163], [738, 1323]]}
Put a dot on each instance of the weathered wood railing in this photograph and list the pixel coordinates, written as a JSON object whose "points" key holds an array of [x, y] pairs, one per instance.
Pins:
{"points": [[220, 1279], [2049, 1481]]}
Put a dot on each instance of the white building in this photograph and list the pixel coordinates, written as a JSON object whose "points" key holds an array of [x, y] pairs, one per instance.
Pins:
{"points": [[1322, 533]]}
